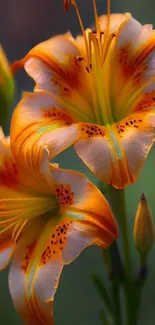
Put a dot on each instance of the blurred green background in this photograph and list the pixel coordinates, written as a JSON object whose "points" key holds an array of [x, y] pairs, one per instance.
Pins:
{"points": [[24, 23]]}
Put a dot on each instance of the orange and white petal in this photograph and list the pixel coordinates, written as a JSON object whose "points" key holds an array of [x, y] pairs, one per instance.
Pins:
{"points": [[42, 75], [144, 100], [58, 66], [60, 54], [58, 245], [80, 236], [6, 246], [137, 144], [40, 121], [53, 56], [19, 275], [14, 180], [116, 21], [96, 154], [133, 61], [80, 200], [10, 180], [38, 270], [17, 281], [63, 244], [151, 117], [56, 50], [43, 268], [110, 156], [141, 102], [95, 149], [133, 32]]}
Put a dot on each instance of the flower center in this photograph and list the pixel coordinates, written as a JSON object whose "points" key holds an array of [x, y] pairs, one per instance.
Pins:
{"points": [[97, 47]]}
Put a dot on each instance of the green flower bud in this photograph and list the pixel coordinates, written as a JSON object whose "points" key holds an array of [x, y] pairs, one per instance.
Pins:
{"points": [[7, 88], [143, 227]]}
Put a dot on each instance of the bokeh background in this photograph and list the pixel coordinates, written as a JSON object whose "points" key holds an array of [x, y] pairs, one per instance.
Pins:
{"points": [[24, 23]]}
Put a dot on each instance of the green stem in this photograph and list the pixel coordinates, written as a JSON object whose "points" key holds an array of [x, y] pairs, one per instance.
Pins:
{"points": [[115, 273], [140, 281], [117, 305], [117, 199], [105, 319]]}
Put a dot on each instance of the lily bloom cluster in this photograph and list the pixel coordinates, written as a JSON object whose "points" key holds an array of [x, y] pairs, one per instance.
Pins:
{"points": [[98, 92]]}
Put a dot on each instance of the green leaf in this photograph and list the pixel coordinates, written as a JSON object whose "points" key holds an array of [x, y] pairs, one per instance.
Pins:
{"points": [[106, 320], [102, 290]]}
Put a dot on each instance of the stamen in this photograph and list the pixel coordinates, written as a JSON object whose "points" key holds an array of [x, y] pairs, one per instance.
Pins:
{"points": [[6, 223], [108, 16], [73, 2], [17, 230], [107, 44], [106, 34], [96, 19]]}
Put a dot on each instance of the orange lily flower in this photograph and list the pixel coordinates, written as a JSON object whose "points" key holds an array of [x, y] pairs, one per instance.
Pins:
{"points": [[96, 91], [47, 217]]}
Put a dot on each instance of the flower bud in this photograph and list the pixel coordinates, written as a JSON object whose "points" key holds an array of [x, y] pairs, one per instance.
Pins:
{"points": [[143, 227], [6, 87]]}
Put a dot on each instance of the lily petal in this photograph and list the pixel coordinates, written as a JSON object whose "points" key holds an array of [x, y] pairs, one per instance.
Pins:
{"points": [[137, 144], [17, 280], [15, 180], [61, 242], [6, 246], [79, 236], [133, 62], [97, 155], [110, 155], [20, 274], [115, 22], [151, 118], [44, 273], [58, 66], [80, 200], [41, 121], [33, 276]]}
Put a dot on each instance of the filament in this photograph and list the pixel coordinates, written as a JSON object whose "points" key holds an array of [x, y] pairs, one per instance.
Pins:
{"points": [[73, 2], [17, 230], [96, 19], [108, 16], [107, 41]]}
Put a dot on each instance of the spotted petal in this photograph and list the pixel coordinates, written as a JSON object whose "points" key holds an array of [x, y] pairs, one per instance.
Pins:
{"points": [[36, 268], [39, 267], [132, 63], [40, 120], [56, 66], [18, 276], [80, 200], [117, 155]]}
